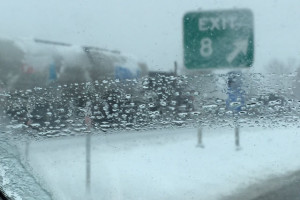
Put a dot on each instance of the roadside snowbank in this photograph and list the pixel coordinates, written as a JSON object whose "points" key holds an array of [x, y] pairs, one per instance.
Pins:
{"points": [[165, 164]]}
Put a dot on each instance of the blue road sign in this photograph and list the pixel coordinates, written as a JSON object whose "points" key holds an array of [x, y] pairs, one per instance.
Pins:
{"points": [[236, 95]]}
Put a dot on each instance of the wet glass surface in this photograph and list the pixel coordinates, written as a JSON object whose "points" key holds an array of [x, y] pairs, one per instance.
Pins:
{"points": [[96, 100]]}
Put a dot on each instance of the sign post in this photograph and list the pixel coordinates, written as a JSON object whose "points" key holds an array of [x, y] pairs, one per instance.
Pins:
{"points": [[88, 123], [235, 101], [237, 137], [218, 39], [200, 142]]}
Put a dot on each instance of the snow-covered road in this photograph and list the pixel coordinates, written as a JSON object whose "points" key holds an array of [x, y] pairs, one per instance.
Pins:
{"points": [[165, 164]]}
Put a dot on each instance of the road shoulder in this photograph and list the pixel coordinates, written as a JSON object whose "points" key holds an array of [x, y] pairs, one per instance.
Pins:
{"points": [[264, 189]]}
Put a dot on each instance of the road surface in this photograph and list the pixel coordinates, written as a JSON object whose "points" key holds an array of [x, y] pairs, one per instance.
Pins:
{"points": [[290, 192], [276, 188]]}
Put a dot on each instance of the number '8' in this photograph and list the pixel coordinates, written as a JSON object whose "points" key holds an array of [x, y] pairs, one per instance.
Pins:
{"points": [[206, 47]]}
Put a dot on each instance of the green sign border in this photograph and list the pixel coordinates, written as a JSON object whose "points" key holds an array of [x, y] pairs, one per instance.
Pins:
{"points": [[223, 42]]}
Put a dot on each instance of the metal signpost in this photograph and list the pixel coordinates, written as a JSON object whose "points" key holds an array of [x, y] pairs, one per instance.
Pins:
{"points": [[235, 101], [88, 123], [218, 39]]}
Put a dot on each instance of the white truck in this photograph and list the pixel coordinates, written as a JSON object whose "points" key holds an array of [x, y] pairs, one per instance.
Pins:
{"points": [[29, 63]]}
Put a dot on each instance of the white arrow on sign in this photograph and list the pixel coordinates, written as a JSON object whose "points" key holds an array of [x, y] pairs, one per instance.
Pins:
{"points": [[240, 46]]}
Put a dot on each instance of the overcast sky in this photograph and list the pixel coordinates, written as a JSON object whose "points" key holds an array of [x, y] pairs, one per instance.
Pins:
{"points": [[150, 30]]}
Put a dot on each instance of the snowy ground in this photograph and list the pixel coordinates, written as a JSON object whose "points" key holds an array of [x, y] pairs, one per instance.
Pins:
{"points": [[165, 164]]}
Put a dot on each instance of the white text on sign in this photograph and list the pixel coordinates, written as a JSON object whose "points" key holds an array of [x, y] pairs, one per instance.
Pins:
{"points": [[215, 23]]}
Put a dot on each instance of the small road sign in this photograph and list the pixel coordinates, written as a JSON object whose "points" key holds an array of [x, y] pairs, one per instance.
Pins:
{"points": [[236, 95], [218, 39]]}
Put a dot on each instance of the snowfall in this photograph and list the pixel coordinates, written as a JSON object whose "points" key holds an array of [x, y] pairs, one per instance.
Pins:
{"points": [[163, 164]]}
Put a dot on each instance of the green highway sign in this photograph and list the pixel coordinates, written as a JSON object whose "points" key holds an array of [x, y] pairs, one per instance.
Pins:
{"points": [[218, 39]]}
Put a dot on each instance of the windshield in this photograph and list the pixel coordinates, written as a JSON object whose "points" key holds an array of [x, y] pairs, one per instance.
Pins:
{"points": [[149, 99]]}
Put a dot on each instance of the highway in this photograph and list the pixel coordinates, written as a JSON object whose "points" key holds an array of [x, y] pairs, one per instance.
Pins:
{"points": [[276, 188], [290, 192]]}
